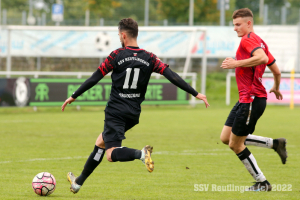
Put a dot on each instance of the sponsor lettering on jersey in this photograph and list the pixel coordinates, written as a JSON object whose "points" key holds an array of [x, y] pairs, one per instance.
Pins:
{"points": [[133, 58], [129, 95]]}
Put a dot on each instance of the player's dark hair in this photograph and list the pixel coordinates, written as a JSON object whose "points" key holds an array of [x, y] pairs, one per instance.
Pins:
{"points": [[130, 26], [243, 12]]}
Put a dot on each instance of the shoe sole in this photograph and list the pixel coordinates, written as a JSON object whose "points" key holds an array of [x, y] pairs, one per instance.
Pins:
{"points": [[265, 188], [260, 190], [148, 161], [282, 153], [71, 189]]}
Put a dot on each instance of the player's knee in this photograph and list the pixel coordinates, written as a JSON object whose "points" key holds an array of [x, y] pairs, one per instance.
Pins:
{"points": [[109, 159], [225, 140], [232, 145], [108, 154], [100, 142], [236, 147], [225, 134]]}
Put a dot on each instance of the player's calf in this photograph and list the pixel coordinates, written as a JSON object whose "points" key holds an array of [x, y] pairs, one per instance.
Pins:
{"points": [[92, 162], [259, 141], [279, 145], [124, 154]]}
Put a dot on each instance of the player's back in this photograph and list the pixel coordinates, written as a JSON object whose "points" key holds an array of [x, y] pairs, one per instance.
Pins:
{"points": [[132, 68]]}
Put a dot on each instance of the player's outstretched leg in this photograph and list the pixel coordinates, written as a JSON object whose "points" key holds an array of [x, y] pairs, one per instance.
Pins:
{"points": [[124, 154], [279, 145], [92, 162]]}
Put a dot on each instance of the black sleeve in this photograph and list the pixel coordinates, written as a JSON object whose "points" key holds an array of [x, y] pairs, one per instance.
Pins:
{"points": [[179, 82], [90, 82]]}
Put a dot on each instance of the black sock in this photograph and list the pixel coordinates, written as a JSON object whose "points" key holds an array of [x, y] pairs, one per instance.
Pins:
{"points": [[124, 154], [275, 144], [244, 154], [92, 162]]}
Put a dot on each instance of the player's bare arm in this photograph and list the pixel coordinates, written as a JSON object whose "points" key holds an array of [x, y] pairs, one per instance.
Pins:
{"points": [[259, 57], [277, 76]]}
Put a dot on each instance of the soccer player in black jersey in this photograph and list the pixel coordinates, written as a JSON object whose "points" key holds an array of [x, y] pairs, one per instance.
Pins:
{"points": [[131, 70]]}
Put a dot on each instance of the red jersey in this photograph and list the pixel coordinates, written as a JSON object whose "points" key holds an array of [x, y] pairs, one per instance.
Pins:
{"points": [[249, 79]]}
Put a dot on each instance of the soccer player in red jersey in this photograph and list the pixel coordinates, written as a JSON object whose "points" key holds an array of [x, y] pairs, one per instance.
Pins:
{"points": [[252, 57]]}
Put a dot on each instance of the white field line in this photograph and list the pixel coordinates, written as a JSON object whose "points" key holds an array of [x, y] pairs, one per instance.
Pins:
{"points": [[44, 159], [184, 152], [203, 152], [19, 121], [199, 152]]}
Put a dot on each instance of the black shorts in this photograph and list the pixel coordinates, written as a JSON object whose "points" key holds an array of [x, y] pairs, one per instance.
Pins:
{"points": [[115, 126], [243, 116]]}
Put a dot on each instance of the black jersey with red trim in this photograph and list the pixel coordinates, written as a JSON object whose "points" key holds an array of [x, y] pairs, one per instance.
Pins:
{"points": [[131, 71]]}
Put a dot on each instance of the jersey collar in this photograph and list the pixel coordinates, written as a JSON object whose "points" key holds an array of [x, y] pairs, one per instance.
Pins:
{"points": [[133, 48]]}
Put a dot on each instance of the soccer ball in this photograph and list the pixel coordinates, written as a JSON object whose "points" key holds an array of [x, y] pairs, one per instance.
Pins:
{"points": [[44, 184], [103, 41]]}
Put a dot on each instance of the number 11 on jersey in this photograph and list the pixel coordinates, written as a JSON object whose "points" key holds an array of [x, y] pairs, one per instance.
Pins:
{"points": [[135, 78]]}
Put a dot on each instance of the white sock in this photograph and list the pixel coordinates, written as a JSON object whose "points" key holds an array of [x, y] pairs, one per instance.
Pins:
{"points": [[251, 165], [259, 141], [142, 155]]}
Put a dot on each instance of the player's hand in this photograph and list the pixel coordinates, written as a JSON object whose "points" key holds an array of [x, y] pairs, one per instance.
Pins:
{"points": [[203, 98], [277, 93], [68, 101], [229, 63]]}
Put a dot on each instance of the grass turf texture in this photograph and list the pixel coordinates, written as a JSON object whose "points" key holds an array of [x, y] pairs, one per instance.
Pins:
{"points": [[48, 140], [182, 137]]}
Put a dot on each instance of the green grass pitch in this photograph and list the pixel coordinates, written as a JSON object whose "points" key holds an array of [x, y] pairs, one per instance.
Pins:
{"points": [[187, 151]]}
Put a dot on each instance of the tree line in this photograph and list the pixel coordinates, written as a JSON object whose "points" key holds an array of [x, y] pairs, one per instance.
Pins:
{"points": [[175, 11]]}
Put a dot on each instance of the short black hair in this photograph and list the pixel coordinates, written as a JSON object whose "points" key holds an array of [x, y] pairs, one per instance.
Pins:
{"points": [[130, 26]]}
